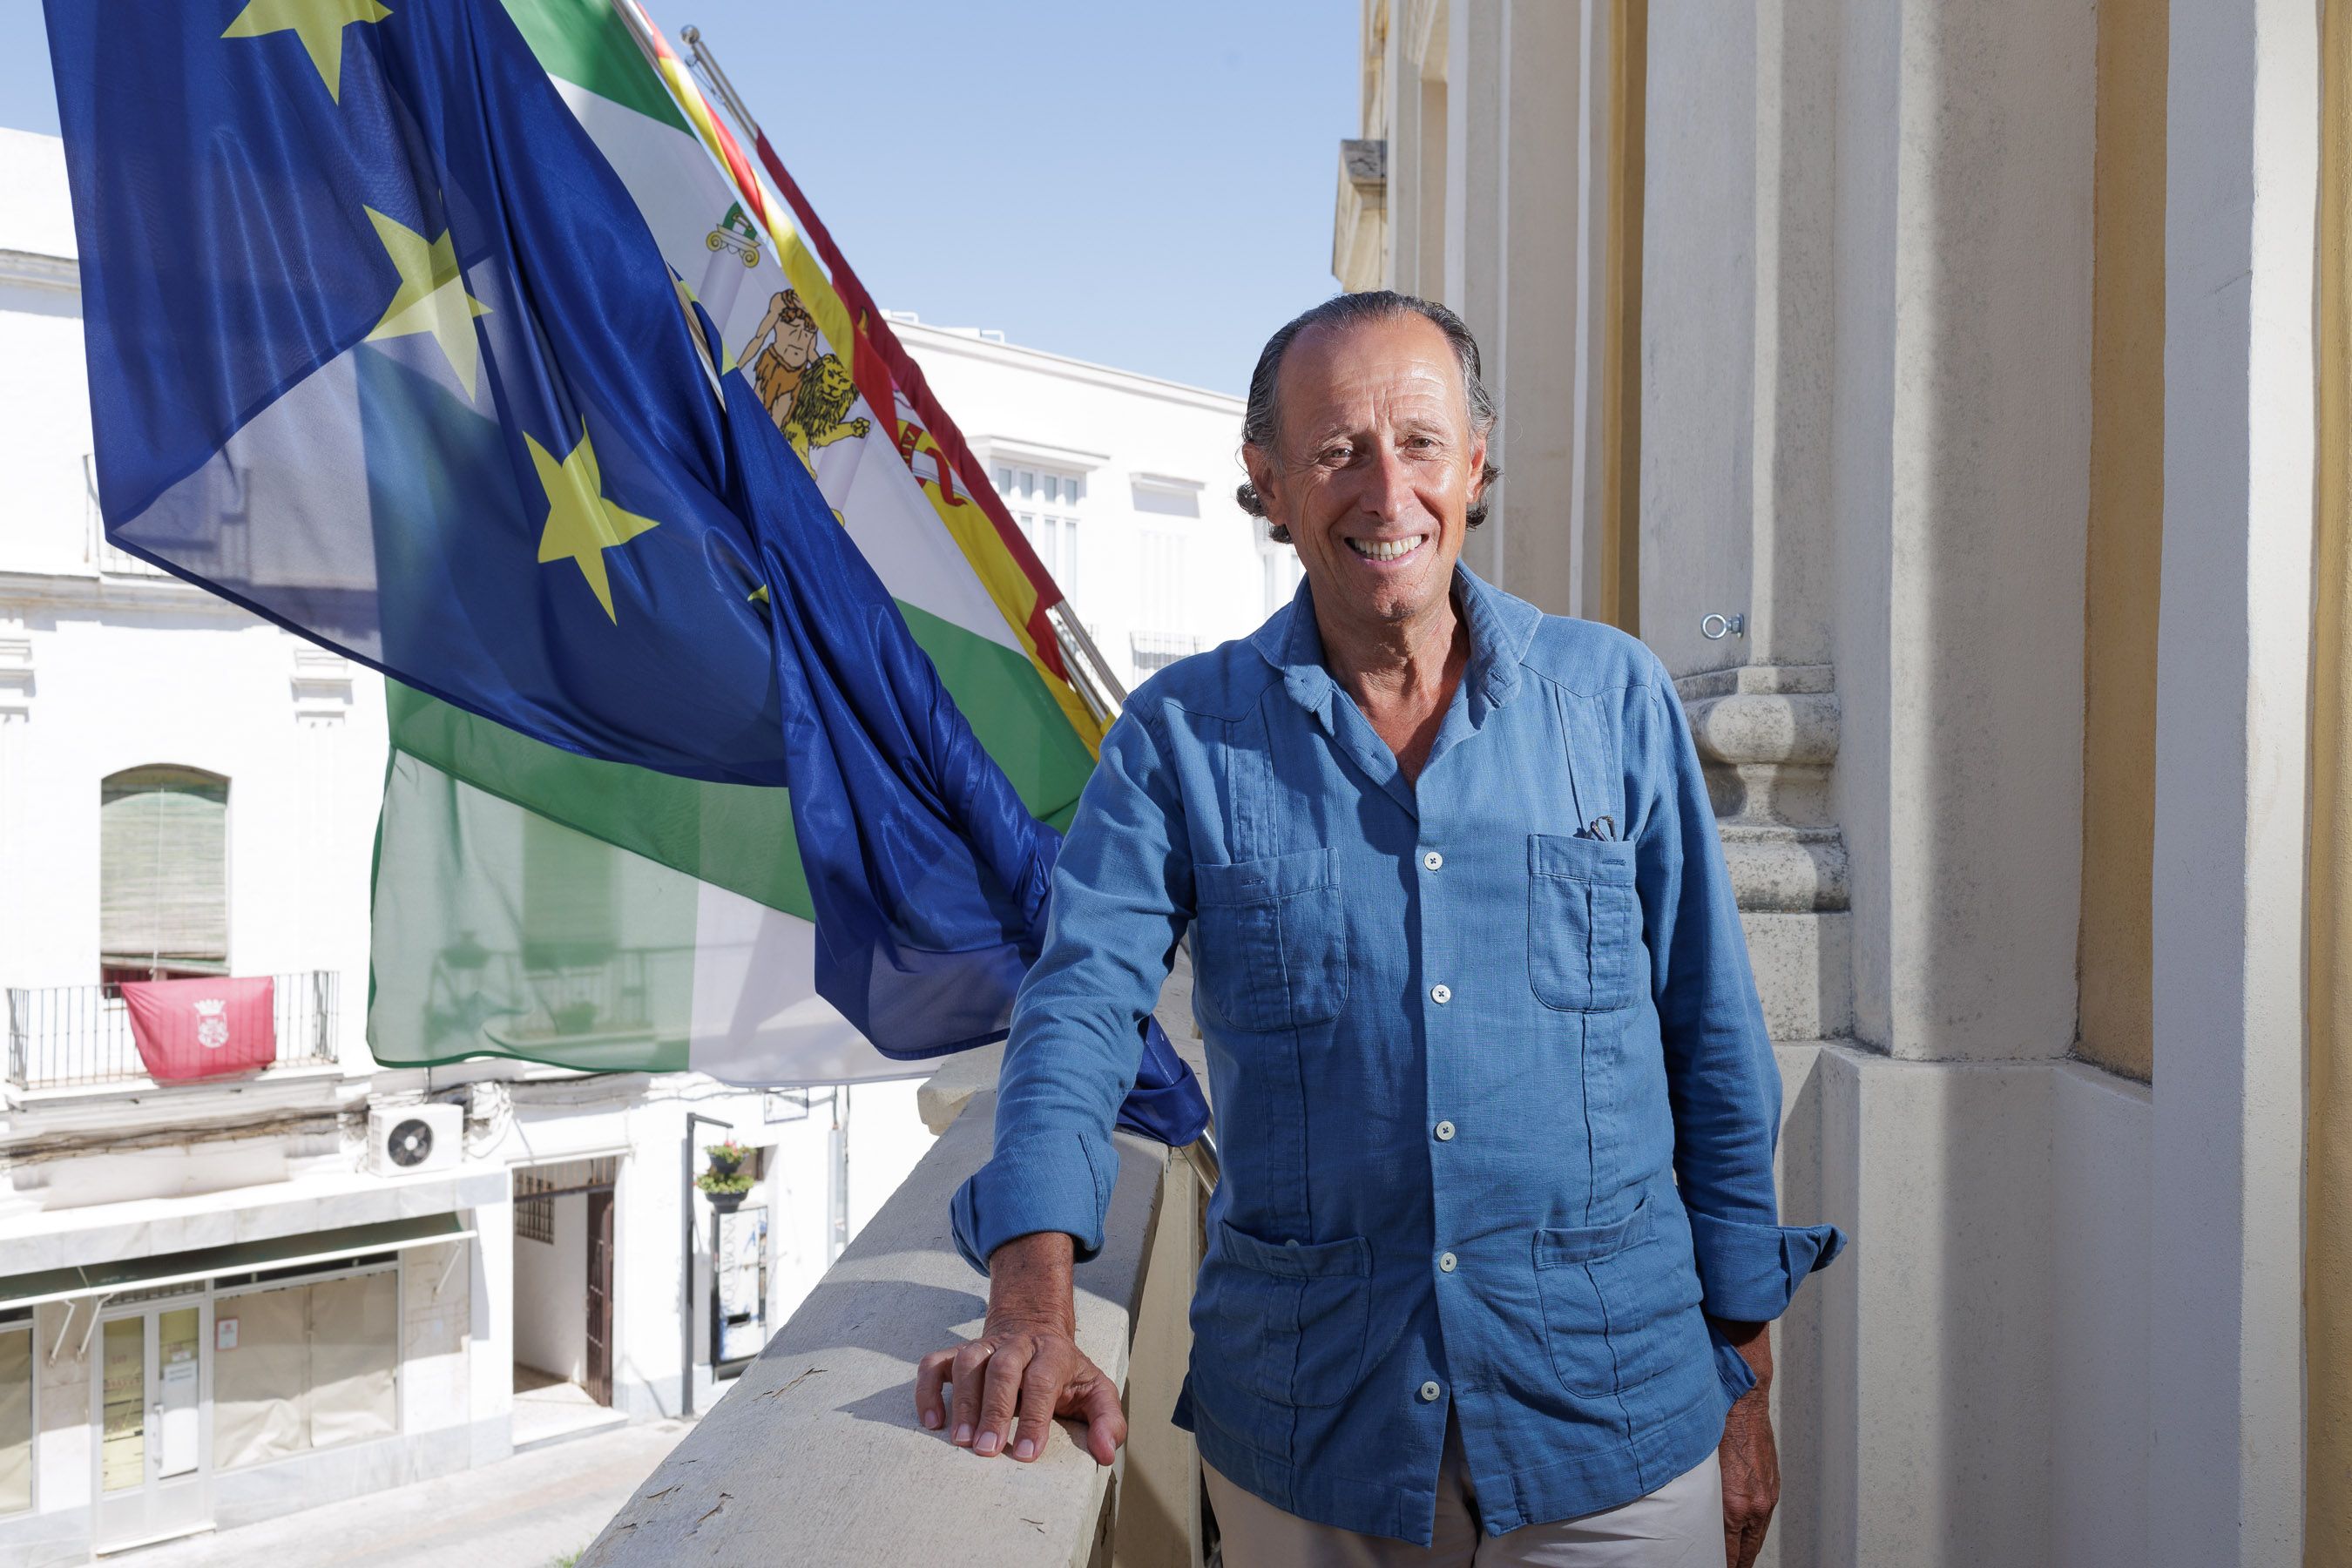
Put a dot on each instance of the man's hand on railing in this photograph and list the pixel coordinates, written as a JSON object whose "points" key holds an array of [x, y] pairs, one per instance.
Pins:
{"points": [[1025, 1368]]}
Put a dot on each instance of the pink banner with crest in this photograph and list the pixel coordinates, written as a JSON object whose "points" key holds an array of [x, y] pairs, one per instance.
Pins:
{"points": [[202, 1028]]}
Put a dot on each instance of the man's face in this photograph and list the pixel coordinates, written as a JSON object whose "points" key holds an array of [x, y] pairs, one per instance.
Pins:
{"points": [[1373, 469]]}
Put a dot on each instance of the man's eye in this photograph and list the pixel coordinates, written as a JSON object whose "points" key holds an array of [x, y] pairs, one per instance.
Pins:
{"points": [[1334, 457]]}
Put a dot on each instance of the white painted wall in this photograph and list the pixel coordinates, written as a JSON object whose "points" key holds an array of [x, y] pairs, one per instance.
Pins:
{"points": [[552, 1294], [886, 1138], [1123, 434]]}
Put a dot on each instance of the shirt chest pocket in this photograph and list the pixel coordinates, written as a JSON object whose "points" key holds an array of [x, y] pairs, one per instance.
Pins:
{"points": [[1270, 941], [1584, 922]]}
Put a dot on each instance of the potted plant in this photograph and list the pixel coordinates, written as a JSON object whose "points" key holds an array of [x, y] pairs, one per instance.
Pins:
{"points": [[726, 1181]]}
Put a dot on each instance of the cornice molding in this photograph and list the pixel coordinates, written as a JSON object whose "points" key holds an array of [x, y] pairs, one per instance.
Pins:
{"points": [[923, 340], [30, 270], [90, 592]]}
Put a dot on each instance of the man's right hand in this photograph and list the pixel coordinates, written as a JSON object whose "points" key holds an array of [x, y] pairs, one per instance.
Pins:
{"points": [[1025, 1368]]}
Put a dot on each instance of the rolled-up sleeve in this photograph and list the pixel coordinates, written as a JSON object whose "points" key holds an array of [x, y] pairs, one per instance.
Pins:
{"points": [[1722, 1082], [1121, 900]]}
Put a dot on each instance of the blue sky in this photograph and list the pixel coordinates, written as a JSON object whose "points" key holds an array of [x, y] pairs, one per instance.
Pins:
{"points": [[1147, 186]]}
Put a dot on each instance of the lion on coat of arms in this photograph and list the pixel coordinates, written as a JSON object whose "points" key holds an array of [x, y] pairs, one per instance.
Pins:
{"points": [[805, 392], [823, 396]]}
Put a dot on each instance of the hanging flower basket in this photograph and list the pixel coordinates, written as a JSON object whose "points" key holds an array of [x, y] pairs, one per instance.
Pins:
{"points": [[727, 1158], [725, 1188]]}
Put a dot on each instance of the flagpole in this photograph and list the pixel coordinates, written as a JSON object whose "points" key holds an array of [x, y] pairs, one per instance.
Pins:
{"points": [[1097, 686]]}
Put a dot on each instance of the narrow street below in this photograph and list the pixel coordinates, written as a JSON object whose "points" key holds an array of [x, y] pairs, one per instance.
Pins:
{"points": [[531, 1512]]}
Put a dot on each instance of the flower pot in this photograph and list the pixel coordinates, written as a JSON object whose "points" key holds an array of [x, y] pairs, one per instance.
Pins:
{"points": [[726, 1202]]}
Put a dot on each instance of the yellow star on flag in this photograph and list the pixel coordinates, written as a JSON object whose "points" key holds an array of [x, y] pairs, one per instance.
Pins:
{"points": [[319, 25], [581, 524], [432, 297]]}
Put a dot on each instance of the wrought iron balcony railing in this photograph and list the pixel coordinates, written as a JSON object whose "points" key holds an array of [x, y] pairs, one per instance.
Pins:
{"points": [[75, 1036]]}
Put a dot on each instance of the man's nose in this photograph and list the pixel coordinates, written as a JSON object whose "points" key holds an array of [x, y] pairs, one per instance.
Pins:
{"points": [[1388, 488]]}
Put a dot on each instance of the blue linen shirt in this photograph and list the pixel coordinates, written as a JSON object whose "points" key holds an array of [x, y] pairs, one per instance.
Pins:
{"points": [[1495, 1101]]}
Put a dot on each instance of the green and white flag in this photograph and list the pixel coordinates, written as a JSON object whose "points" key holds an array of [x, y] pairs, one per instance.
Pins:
{"points": [[532, 903]]}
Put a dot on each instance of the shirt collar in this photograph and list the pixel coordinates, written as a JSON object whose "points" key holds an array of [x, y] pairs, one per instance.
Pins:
{"points": [[1500, 625]]}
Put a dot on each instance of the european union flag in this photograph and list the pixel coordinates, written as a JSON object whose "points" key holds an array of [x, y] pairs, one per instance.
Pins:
{"points": [[379, 348]]}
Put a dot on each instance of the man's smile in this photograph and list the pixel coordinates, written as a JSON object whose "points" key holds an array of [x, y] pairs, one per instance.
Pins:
{"points": [[1386, 550]]}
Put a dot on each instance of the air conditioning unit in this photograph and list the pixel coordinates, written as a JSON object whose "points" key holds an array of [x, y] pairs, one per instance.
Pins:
{"points": [[410, 1139]]}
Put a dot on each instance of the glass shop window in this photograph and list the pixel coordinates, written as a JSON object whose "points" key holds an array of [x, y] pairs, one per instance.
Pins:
{"points": [[305, 1366], [15, 1415]]}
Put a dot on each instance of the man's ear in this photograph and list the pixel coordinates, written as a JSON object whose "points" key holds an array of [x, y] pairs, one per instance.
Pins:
{"points": [[1477, 470], [1259, 463]]}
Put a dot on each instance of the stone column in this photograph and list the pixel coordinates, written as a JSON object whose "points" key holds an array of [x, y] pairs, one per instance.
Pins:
{"points": [[1476, 225], [2225, 1325], [1736, 535]]}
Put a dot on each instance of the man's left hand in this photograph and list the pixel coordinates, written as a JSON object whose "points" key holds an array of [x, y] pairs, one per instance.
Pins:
{"points": [[1751, 1463]]}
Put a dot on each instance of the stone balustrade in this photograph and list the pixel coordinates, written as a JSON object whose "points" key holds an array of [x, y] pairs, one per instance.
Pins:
{"points": [[815, 1457]]}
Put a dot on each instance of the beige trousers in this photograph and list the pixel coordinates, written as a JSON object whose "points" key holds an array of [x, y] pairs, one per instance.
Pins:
{"points": [[1680, 1525]]}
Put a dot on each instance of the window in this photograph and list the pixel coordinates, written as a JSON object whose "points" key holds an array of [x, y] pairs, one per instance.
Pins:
{"points": [[162, 873], [1053, 531], [15, 1415], [311, 1366]]}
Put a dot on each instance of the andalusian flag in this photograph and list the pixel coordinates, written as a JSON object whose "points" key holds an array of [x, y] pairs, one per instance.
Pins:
{"points": [[382, 347], [507, 870]]}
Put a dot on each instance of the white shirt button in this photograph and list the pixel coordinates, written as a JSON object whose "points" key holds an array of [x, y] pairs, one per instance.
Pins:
{"points": [[1429, 1393], [1446, 1261], [1432, 861], [1441, 994], [1444, 1130]]}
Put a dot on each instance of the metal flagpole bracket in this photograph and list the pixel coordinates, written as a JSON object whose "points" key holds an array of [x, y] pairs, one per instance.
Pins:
{"points": [[1201, 1156], [706, 66]]}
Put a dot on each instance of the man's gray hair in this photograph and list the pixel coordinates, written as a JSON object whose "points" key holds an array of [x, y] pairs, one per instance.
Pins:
{"points": [[1259, 417]]}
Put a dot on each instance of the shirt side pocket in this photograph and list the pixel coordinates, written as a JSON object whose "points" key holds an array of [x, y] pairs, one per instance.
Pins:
{"points": [[1616, 1302], [1285, 1322]]}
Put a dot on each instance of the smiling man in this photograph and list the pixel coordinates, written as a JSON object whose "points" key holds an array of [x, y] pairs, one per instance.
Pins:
{"points": [[1490, 1265]]}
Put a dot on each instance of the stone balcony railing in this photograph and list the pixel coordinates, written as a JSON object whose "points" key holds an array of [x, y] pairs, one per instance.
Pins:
{"points": [[815, 1457]]}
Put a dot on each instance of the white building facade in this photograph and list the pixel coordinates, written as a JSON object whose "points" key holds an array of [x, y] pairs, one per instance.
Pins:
{"points": [[1124, 485]]}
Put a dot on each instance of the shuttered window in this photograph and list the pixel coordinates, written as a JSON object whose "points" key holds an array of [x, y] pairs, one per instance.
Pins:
{"points": [[163, 871]]}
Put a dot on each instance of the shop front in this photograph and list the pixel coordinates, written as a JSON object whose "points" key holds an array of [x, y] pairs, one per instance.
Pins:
{"points": [[201, 1372]]}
